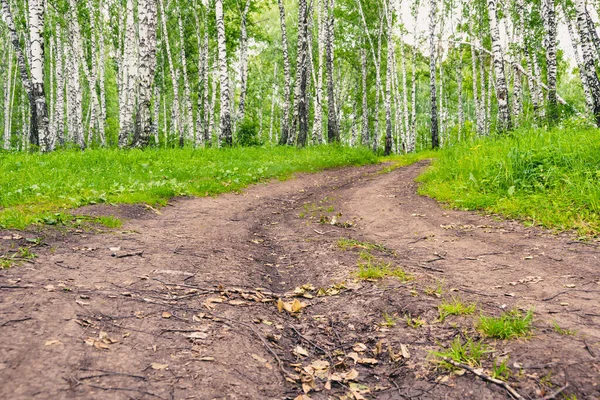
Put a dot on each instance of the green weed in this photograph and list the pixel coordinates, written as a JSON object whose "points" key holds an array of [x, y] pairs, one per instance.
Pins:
{"points": [[562, 331], [436, 291], [351, 244], [501, 371], [109, 221], [373, 268], [25, 253], [455, 307], [469, 353], [389, 321], [414, 322], [511, 324]]}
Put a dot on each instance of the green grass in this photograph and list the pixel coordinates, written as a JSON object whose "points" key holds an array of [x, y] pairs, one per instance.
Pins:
{"points": [[470, 353], [403, 160], [563, 331], [37, 188], [547, 178], [501, 370], [389, 321], [510, 325], [455, 306], [350, 244], [373, 268]]}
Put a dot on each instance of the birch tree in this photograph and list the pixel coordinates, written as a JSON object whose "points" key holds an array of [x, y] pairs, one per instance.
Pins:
{"points": [[504, 119], [433, 73], [225, 136]]}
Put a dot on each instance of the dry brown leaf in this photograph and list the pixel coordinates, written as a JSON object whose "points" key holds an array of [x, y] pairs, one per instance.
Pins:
{"points": [[207, 359], [167, 315], [208, 303], [52, 342], [300, 351], [197, 335], [258, 358], [359, 347], [353, 356], [404, 351], [237, 302], [280, 305], [159, 367], [367, 361]]}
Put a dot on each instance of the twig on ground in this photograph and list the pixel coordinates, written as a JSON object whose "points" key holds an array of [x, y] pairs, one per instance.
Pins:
{"points": [[553, 395], [569, 291], [137, 253], [477, 293], [324, 233], [588, 348], [109, 373], [316, 346], [428, 268], [15, 287], [485, 377], [16, 320]]}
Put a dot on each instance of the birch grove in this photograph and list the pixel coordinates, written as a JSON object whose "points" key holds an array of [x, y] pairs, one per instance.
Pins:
{"points": [[394, 76]]}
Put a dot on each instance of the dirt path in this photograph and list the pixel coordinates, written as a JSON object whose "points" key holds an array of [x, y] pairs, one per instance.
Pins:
{"points": [[183, 304]]}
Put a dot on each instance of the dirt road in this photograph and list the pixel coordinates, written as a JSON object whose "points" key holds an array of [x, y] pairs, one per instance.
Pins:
{"points": [[182, 303]]}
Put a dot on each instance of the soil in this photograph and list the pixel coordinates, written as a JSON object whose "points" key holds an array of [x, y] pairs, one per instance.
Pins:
{"points": [[182, 302]]}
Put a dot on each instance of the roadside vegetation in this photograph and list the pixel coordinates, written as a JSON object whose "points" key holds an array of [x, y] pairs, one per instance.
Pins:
{"points": [[546, 178], [36, 187]]}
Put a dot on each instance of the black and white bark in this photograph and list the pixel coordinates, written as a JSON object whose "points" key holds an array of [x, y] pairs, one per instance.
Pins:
{"points": [[226, 138], [318, 119], [188, 117], [575, 43], [302, 99], [589, 65], [243, 73], [432, 75], [365, 100], [333, 133], [176, 122], [287, 77], [549, 12], [388, 82], [504, 118], [147, 12]]}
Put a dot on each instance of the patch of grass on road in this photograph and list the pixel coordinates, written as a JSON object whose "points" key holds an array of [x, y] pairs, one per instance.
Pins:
{"points": [[35, 187], [510, 325]]}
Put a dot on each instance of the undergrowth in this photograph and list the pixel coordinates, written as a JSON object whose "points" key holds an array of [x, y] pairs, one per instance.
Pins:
{"points": [[373, 268], [470, 353], [510, 325], [35, 187], [547, 178]]}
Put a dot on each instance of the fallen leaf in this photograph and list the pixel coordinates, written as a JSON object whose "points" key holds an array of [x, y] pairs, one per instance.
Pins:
{"points": [[207, 359], [167, 315], [570, 286], [208, 303], [404, 351], [258, 358], [359, 347], [50, 288], [300, 351], [52, 342], [159, 367], [197, 335], [237, 302], [367, 361], [198, 317]]}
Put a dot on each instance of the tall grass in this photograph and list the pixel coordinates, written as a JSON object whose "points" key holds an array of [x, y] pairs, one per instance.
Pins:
{"points": [[35, 186], [548, 178]]}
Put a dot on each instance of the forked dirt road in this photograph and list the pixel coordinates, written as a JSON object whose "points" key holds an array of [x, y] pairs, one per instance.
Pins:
{"points": [[183, 304]]}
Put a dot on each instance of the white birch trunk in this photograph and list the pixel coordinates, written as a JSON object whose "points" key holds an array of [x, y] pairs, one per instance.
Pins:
{"points": [[243, 73], [432, 78], [589, 65], [188, 120], [318, 121], [176, 112], [504, 119], [287, 77], [225, 118]]}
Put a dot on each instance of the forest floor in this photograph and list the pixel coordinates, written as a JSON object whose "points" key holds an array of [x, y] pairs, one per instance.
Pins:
{"points": [[182, 302]]}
